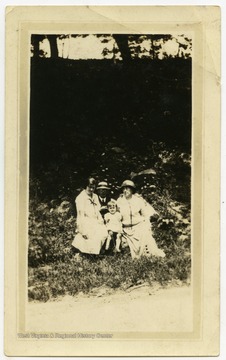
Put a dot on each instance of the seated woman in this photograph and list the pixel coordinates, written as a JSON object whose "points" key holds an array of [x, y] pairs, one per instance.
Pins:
{"points": [[137, 231], [91, 230]]}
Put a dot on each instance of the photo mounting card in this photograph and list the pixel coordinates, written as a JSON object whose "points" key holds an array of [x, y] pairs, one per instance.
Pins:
{"points": [[115, 93]]}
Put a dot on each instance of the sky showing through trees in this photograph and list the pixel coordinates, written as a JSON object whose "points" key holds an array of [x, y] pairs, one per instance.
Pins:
{"points": [[117, 47]]}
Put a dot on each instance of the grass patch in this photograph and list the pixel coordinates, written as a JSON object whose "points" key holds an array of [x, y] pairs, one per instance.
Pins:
{"points": [[84, 273]]}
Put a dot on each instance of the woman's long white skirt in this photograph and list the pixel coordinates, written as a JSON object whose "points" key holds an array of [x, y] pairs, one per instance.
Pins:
{"points": [[96, 236], [140, 240]]}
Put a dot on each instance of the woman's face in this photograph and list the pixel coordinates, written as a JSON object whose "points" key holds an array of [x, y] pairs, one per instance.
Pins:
{"points": [[127, 192], [90, 189]]}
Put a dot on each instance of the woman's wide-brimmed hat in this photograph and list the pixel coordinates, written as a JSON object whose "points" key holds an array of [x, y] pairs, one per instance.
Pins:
{"points": [[103, 185], [128, 183]]}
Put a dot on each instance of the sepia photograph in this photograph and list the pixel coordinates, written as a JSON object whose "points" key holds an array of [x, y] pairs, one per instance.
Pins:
{"points": [[110, 172], [111, 190], [110, 180]]}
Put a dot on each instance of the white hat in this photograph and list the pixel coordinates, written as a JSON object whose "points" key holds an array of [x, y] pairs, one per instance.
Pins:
{"points": [[103, 185], [128, 183]]}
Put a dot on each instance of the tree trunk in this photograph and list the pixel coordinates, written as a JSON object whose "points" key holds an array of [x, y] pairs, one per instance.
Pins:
{"points": [[122, 42], [53, 46], [35, 39], [152, 50]]}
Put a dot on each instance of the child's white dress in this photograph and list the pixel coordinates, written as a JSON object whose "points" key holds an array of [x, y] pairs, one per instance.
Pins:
{"points": [[113, 222]]}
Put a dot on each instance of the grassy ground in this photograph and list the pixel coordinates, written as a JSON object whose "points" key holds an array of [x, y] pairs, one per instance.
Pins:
{"points": [[55, 269], [83, 274]]}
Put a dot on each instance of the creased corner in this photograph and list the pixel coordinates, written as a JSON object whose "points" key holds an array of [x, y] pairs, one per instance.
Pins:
{"points": [[9, 9]]}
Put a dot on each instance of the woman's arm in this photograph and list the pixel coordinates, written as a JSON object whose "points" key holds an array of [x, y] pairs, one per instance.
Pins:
{"points": [[146, 209]]}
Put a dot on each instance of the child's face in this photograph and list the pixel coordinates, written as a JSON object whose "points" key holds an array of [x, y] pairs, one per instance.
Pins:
{"points": [[112, 209]]}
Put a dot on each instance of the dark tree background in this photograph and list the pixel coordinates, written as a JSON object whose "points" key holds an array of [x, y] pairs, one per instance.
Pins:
{"points": [[105, 117]]}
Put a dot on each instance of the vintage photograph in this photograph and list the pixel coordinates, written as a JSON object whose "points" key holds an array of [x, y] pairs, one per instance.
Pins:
{"points": [[112, 181]]}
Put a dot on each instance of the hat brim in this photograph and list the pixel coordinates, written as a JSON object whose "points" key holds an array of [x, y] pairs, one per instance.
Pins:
{"points": [[103, 187], [131, 186]]}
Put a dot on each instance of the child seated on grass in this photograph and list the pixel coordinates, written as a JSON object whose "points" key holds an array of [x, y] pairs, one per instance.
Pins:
{"points": [[114, 225]]}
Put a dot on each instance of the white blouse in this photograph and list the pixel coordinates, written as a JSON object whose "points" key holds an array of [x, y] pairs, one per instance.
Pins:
{"points": [[87, 207], [134, 210]]}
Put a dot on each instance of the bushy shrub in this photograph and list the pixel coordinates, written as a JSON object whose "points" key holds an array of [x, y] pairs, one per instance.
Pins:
{"points": [[39, 293], [51, 230]]}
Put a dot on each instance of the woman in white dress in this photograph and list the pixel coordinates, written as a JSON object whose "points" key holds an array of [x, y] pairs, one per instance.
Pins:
{"points": [[136, 224], [91, 230]]}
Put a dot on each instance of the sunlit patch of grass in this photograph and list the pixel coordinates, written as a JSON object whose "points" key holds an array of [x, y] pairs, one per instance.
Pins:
{"points": [[83, 274]]}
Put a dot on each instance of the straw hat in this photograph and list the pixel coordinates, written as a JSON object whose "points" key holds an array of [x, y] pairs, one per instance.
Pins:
{"points": [[103, 185], [128, 183]]}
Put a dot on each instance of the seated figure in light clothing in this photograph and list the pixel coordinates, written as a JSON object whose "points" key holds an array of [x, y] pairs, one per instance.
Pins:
{"points": [[114, 225]]}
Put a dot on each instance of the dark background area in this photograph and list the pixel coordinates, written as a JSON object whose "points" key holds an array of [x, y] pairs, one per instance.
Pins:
{"points": [[97, 117]]}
